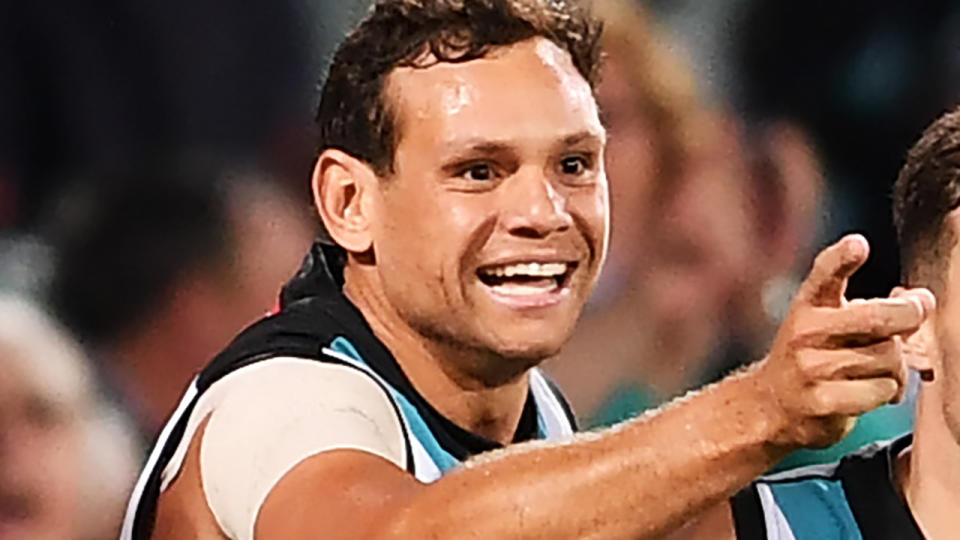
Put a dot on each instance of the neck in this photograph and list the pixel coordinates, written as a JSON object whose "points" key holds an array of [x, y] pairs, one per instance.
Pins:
{"points": [[489, 409], [930, 474]]}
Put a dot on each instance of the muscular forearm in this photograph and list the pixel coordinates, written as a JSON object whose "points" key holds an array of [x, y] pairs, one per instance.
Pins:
{"points": [[634, 481]]}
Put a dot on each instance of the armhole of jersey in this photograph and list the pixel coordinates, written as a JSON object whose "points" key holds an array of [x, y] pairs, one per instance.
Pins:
{"points": [[554, 414], [748, 516], [775, 522], [239, 525]]}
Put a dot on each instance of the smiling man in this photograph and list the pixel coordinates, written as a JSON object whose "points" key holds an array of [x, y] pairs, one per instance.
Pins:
{"points": [[460, 180]]}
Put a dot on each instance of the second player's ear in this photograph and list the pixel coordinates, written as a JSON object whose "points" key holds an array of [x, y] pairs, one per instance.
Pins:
{"points": [[342, 189], [920, 348]]}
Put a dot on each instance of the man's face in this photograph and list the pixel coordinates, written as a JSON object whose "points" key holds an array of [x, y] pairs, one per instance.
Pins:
{"points": [[490, 233]]}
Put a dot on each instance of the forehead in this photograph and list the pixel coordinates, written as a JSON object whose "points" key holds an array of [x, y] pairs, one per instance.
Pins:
{"points": [[527, 91]]}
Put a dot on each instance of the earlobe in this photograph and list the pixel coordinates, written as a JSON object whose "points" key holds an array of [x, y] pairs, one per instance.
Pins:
{"points": [[341, 183]]}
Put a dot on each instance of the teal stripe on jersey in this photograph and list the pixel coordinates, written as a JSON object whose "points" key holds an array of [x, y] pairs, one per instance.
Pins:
{"points": [[418, 428], [816, 509]]}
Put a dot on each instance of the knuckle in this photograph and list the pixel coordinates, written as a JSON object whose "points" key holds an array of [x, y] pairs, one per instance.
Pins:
{"points": [[886, 347], [804, 365], [798, 340], [802, 332], [886, 389], [820, 401], [874, 318], [892, 355]]}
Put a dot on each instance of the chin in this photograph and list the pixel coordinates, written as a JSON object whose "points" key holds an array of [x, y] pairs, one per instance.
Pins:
{"points": [[531, 350], [503, 363]]}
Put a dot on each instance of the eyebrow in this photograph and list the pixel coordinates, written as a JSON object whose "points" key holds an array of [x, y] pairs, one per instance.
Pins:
{"points": [[480, 146], [582, 136], [491, 147]]}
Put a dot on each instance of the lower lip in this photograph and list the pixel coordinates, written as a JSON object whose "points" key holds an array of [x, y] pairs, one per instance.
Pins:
{"points": [[529, 301]]}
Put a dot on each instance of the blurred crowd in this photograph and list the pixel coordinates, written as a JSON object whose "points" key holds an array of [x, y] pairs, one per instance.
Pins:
{"points": [[154, 166]]}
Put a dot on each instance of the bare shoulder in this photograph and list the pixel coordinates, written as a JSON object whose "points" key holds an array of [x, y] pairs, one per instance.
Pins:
{"points": [[320, 497], [314, 444]]}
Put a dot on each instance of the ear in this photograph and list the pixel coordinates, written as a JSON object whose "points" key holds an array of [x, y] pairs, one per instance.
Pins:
{"points": [[343, 187], [920, 351]]}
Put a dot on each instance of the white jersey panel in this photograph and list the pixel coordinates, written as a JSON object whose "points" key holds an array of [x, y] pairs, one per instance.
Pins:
{"points": [[268, 417]]}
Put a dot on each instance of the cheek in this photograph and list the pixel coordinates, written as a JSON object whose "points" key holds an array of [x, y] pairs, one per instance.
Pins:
{"points": [[428, 237], [425, 217], [590, 209], [947, 334], [951, 403]]}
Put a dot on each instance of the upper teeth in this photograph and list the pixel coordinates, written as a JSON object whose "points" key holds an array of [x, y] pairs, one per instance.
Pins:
{"points": [[528, 269]]}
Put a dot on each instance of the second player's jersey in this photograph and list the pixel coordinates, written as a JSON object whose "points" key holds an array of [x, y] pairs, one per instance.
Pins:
{"points": [[853, 499]]}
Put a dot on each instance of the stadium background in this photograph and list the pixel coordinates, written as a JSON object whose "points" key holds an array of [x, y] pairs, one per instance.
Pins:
{"points": [[137, 91]]}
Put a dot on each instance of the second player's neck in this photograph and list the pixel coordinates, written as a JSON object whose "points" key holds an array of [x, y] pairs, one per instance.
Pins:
{"points": [[931, 479], [490, 410]]}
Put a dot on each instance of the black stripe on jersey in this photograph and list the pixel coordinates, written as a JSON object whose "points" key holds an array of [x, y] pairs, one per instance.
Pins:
{"points": [[146, 513], [748, 518], [870, 482]]}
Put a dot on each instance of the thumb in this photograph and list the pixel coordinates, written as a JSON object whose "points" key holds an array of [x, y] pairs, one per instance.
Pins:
{"points": [[827, 281]]}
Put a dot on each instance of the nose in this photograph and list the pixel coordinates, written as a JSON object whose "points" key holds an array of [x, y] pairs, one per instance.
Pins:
{"points": [[533, 207]]}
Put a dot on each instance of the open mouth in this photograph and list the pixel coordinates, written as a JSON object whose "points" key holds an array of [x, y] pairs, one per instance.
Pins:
{"points": [[526, 278]]}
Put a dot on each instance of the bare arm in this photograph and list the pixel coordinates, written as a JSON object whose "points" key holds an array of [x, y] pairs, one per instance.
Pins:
{"points": [[830, 362], [635, 481]]}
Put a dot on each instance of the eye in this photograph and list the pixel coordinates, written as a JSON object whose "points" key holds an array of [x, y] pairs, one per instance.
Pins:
{"points": [[574, 165], [479, 172]]}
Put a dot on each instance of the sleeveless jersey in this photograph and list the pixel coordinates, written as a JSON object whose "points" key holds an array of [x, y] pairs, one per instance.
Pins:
{"points": [[853, 499], [317, 322]]}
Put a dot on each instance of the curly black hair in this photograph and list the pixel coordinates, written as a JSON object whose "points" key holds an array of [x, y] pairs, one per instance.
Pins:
{"points": [[926, 191], [354, 115]]}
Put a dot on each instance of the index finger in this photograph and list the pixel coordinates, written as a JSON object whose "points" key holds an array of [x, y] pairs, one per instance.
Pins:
{"points": [[864, 323], [827, 280]]}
